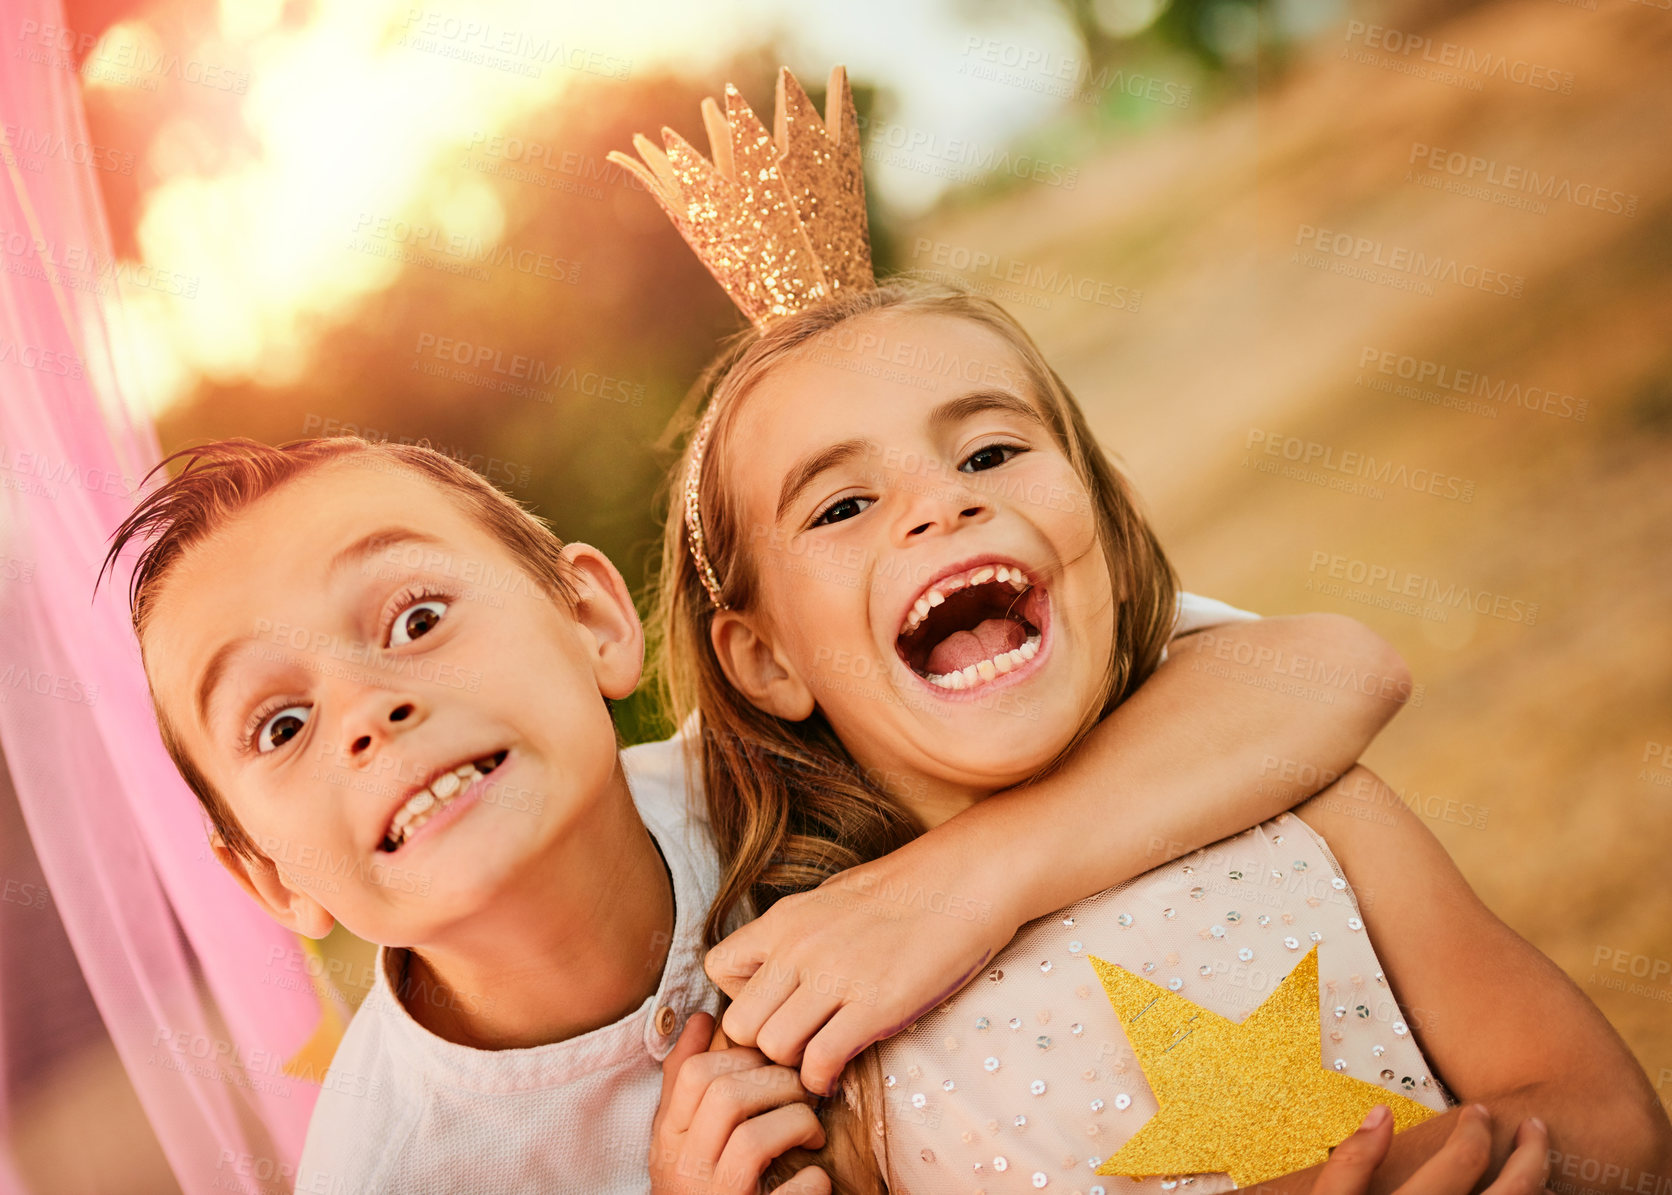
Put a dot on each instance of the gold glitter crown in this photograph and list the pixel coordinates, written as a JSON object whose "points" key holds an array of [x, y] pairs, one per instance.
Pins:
{"points": [[778, 219]]}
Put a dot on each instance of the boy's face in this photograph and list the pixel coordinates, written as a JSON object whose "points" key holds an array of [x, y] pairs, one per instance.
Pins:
{"points": [[353, 678]]}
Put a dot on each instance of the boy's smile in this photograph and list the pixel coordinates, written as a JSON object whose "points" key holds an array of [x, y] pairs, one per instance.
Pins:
{"points": [[400, 717]]}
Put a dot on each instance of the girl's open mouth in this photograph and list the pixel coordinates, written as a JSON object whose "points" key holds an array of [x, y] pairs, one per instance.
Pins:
{"points": [[970, 628]]}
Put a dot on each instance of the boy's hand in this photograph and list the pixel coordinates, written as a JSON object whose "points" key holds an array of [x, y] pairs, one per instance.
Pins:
{"points": [[907, 931], [1454, 1170], [725, 1115]]}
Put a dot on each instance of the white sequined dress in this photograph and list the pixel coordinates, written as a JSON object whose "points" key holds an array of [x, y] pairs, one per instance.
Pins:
{"points": [[1024, 1080]]}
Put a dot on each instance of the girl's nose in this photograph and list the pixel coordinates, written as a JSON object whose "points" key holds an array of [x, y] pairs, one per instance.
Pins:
{"points": [[968, 512]]}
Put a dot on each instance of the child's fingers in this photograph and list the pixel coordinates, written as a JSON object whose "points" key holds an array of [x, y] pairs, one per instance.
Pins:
{"points": [[695, 1076], [756, 1142], [737, 956], [841, 1040], [811, 1181], [764, 993], [733, 1099], [1352, 1163], [1528, 1165], [693, 1040], [788, 1030], [1460, 1162]]}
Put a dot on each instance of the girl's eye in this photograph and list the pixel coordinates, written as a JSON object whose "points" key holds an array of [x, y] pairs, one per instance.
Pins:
{"points": [[416, 620], [842, 508], [279, 728], [990, 457]]}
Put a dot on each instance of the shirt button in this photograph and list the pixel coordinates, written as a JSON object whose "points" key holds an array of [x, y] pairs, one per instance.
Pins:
{"points": [[665, 1018]]}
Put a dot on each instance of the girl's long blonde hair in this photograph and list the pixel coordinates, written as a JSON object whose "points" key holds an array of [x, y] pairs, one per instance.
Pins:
{"points": [[788, 805]]}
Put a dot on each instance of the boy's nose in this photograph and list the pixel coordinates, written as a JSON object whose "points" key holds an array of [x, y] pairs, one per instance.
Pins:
{"points": [[363, 743]]}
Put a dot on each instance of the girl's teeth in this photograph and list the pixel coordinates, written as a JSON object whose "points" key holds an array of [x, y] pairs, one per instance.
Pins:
{"points": [[421, 802], [936, 593], [445, 785], [987, 670]]}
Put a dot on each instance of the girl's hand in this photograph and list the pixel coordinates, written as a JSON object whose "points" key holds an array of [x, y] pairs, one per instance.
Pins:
{"points": [[1454, 1170], [824, 973], [725, 1115]]}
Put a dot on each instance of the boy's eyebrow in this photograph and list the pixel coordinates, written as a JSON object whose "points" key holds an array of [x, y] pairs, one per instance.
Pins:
{"points": [[800, 477], [366, 546], [371, 544]]}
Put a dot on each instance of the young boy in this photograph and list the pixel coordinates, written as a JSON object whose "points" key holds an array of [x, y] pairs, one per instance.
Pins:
{"points": [[387, 684]]}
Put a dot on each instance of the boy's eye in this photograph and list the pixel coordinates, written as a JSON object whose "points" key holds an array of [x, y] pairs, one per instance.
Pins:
{"points": [[416, 620], [990, 457], [842, 508], [280, 728]]}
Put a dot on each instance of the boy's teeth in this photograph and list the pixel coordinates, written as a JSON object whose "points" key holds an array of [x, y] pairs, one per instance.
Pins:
{"points": [[987, 670], [428, 802]]}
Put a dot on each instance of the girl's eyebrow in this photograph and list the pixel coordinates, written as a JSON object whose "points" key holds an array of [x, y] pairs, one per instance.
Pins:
{"points": [[800, 477], [948, 413], [956, 410]]}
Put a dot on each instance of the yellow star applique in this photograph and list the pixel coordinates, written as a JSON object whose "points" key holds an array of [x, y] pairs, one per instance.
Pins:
{"points": [[1254, 1100]]}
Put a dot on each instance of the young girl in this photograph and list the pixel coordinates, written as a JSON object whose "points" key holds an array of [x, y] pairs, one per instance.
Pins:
{"points": [[989, 593], [1020, 1062]]}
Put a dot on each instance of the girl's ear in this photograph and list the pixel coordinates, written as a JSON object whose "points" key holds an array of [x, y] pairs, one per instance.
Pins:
{"points": [[756, 668], [290, 907], [604, 610]]}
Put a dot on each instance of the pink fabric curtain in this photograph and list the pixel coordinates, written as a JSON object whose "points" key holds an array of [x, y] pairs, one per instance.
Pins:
{"points": [[204, 998]]}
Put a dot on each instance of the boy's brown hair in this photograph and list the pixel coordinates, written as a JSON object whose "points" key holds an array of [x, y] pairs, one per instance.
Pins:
{"points": [[221, 479]]}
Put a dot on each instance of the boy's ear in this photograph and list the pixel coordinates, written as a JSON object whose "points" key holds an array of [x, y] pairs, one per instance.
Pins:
{"points": [[604, 610], [259, 876], [756, 668]]}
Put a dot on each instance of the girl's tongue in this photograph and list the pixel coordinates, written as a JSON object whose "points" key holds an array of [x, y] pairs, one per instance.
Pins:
{"points": [[988, 638]]}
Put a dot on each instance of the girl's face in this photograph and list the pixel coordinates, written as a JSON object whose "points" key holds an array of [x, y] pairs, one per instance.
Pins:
{"points": [[927, 562]]}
